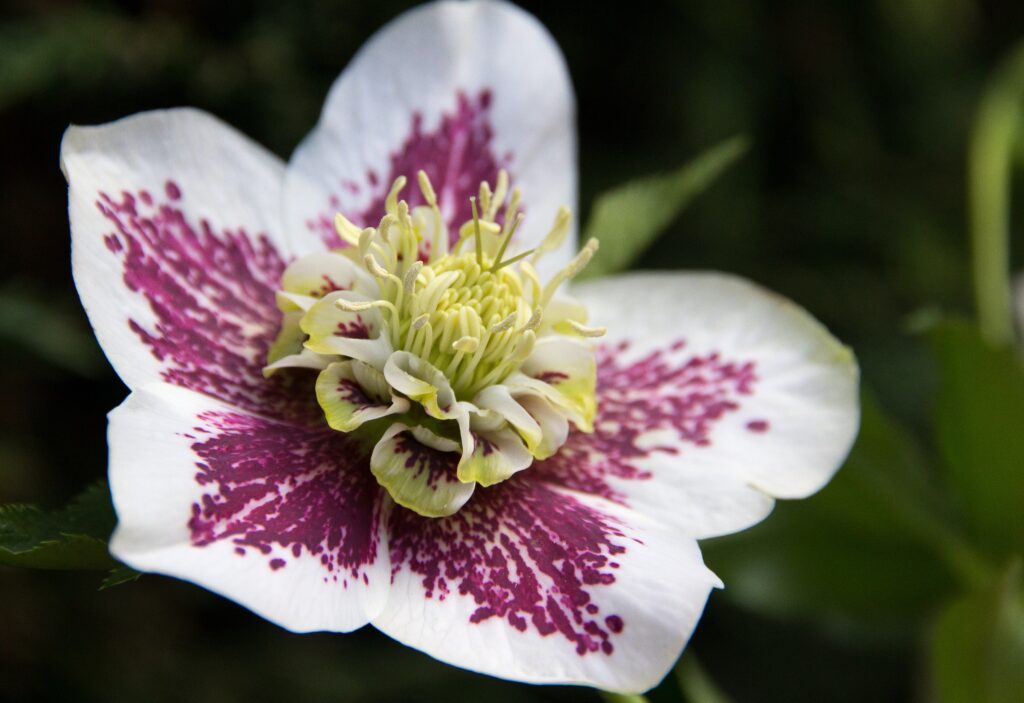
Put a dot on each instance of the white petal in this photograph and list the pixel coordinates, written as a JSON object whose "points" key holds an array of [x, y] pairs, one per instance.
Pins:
{"points": [[305, 359], [553, 424], [176, 249], [360, 335], [421, 381], [714, 396], [499, 400], [412, 99], [536, 584], [284, 520], [315, 275], [567, 365]]}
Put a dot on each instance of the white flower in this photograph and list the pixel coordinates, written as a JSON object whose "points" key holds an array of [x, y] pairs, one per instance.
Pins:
{"points": [[713, 397]]}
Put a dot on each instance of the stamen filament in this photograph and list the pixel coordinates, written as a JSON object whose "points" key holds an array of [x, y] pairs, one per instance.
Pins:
{"points": [[476, 229], [504, 243]]}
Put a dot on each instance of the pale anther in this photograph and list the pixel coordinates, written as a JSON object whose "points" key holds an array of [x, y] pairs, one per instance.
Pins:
{"points": [[375, 268], [584, 331], [504, 324], [426, 188], [467, 345], [410, 276]]}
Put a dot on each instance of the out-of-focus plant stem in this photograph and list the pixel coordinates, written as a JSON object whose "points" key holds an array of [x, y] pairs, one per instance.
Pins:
{"points": [[997, 126], [623, 697]]}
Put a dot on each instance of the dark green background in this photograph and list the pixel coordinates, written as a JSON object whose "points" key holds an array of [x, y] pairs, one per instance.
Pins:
{"points": [[851, 201]]}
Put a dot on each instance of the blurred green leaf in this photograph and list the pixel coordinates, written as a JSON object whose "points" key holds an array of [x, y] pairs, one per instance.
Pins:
{"points": [[56, 51], [74, 537], [695, 683], [47, 332], [866, 546], [610, 697], [627, 219], [980, 427], [978, 645]]}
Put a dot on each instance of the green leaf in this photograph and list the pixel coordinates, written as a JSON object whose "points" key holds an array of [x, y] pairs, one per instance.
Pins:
{"points": [[977, 651], [980, 426], [869, 546], [48, 333], [695, 683], [627, 219], [120, 575], [72, 538]]}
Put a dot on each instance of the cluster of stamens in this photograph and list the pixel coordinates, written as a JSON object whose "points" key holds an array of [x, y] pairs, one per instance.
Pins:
{"points": [[472, 314], [448, 343]]}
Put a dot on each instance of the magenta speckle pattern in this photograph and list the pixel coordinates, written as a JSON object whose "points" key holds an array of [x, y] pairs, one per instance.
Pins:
{"points": [[280, 486], [440, 467], [274, 487], [524, 553], [457, 156], [664, 390], [211, 292]]}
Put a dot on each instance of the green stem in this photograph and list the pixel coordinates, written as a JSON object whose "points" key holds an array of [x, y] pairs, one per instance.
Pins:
{"points": [[995, 131], [623, 697]]}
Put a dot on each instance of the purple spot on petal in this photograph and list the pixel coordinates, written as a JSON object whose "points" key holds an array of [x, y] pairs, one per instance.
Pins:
{"points": [[552, 377], [270, 484], [276, 564], [457, 155], [758, 425], [211, 296], [686, 395], [614, 623], [523, 553]]}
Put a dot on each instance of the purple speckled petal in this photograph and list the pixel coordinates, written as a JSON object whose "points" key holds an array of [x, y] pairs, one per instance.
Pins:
{"points": [[282, 519], [534, 583], [458, 89], [177, 252], [711, 402]]}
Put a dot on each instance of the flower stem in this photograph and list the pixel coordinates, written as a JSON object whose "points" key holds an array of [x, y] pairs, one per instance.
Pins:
{"points": [[993, 136]]}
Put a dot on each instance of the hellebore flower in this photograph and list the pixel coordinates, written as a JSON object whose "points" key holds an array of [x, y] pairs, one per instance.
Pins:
{"points": [[355, 399]]}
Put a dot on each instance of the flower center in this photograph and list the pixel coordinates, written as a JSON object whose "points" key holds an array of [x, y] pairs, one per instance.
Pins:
{"points": [[455, 346], [471, 322]]}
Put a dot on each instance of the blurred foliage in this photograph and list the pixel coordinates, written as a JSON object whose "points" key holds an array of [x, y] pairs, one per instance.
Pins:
{"points": [[850, 200], [978, 644], [628, 218], [980, 428], [861, 551]]}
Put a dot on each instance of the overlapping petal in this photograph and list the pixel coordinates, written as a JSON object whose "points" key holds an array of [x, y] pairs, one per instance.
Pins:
{"points": [[177, 250], [534, 583], [712, 402], [282, 519], [438, 89]]}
